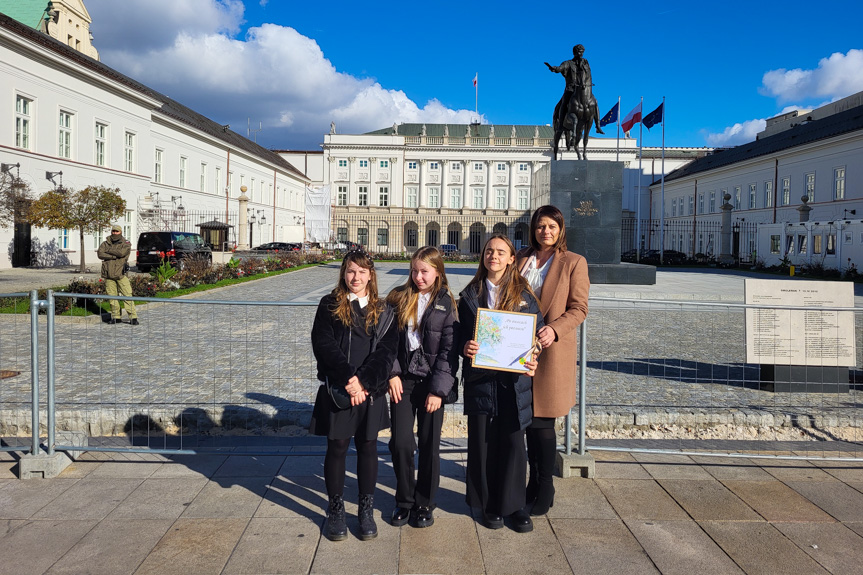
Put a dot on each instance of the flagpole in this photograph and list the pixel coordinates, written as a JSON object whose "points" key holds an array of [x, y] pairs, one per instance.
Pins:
{"points": [[476, 89], [662, 190], [617, 154], [638, 194]]}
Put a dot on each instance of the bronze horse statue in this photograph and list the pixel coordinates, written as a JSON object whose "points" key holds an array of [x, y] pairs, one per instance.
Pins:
{"points": [[577, 109]]}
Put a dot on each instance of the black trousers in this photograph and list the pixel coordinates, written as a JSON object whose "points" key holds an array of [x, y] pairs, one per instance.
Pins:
{"points": [[496, 459], [414, 488]]}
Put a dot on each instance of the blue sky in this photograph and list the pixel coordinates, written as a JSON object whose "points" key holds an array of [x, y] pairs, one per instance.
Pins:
{"points": [[295, 66]]}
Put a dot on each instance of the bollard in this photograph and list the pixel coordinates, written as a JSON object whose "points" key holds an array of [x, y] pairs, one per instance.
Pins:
{"points": [[790, 270]]}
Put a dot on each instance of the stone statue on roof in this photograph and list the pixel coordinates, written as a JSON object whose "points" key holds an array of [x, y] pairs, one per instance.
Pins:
{"points": [[512, 133], [423, 130], [446, 130], [491, 131], [395, 129], [332, 127], [577, 108]]}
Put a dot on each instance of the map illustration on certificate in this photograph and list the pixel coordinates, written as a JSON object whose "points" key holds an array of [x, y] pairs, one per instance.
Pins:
{"points": [[506, 339]]}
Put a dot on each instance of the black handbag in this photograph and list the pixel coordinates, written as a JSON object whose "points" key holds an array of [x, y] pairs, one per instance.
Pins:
{"points": [[419, 366], [339, 395], [452, 396]]}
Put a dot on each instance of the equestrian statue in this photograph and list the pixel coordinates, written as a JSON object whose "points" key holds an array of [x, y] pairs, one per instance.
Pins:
{"points": [[577, 109]]}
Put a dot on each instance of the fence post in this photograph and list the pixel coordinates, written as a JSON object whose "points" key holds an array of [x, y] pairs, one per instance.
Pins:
{"points": [[583, 462], [38, 463]]}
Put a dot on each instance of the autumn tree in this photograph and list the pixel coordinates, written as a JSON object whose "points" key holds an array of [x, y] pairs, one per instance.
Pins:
{"points": [[15, 199], [89, 211]]}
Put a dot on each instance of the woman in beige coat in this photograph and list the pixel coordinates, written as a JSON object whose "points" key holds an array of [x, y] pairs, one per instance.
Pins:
{"points": [[559, 277]]}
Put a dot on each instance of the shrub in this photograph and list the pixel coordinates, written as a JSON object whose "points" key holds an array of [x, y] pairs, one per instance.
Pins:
{"points": [[143, 285]]}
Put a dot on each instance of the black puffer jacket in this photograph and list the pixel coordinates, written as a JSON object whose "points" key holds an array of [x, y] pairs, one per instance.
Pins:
{"points": [[481, 385], [438, 328], [331, 344]]}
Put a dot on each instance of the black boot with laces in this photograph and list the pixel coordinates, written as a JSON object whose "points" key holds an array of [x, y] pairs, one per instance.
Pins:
{"points": [[337, 528], [368, 528]]}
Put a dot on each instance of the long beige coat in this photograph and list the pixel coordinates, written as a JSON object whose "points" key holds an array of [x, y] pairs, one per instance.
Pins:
{"points": [[563, 302]]}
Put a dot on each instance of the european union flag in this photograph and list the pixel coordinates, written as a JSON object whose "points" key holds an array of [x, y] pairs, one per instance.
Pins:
{"points": [[610, 117], [654, 117]]}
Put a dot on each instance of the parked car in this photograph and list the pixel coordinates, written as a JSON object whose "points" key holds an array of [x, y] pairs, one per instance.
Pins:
{"points": [[669, 257], [274, 247], [448, 249], [175, 247]]}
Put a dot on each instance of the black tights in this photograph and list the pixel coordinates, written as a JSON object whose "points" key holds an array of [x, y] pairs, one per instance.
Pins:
{"points": [[367, 465]]}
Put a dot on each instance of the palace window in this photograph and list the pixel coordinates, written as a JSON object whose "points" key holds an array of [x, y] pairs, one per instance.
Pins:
{"points": [[768, 194], [810, 186], [522, 200], [22, 122], [363, 236], [786, 191], [839, 183], [500, 198], [384, 164], [412, 165], [363, 196], [183, 167], [691, 204], [129, 152], [101, 143], [383, 236], [342, 196], [364, 163], [456, 167], [384, 196], [753, 191], [343, 163], [341, 234], [477, 166], [701, 203], [412, 196], [737, 198], [712, 201], [434, 166], [65, 141], [203, 186], [434, 197], [455, 197], [478, 200], [522, 167], [501, 167], [157, 166]]}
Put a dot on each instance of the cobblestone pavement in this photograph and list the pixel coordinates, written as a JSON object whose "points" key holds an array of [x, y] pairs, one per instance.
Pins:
{"points": [[234, 369]]}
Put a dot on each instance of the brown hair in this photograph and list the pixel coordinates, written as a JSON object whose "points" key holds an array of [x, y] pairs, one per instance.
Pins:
{"points": [[405, 297], [511, 285], [555, 214], [342, 306]]}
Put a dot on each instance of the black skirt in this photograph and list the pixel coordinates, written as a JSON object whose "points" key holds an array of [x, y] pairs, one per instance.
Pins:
{"points": [[362, 421]]}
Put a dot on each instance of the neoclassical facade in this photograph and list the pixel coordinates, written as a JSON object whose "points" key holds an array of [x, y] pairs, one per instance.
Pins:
{"points": [[63, 111], [410, 185]]}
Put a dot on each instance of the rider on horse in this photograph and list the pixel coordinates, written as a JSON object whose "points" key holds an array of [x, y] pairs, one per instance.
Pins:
{"points": [[578, 76]]}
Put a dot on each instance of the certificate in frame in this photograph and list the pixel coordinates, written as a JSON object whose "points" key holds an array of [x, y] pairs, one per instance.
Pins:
{"points": [[506, 339]]}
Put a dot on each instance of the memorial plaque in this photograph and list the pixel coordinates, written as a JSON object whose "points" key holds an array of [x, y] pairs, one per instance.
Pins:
{"points": [[800, 337]]}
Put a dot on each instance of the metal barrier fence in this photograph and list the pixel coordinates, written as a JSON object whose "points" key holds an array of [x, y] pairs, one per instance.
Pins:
{"points": [[697, 240], [203, 375]]}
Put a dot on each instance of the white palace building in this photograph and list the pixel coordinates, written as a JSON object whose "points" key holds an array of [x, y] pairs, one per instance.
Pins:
{"points": [[409, 185], [62, 110]]}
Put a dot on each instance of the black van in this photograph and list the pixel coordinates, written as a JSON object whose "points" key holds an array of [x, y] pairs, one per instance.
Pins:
{"points": [[153, 247]]}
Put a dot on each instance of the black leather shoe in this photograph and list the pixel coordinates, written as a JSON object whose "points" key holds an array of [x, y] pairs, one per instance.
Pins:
{"points": [[400, 516], [492, 520], [114, 321], [521, 522], [134, 321], [423, 517]]}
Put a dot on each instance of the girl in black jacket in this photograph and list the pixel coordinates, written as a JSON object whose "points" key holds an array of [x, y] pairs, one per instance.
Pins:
{"points": [[423, 375], [354, 339], [497, 403]]}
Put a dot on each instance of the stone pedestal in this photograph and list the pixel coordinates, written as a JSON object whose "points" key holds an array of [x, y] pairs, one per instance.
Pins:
{"points": [[590, 195], [575, 465]]}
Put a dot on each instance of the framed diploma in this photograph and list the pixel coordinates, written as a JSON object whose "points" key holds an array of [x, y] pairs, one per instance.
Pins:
{"points": [[506, 339]]}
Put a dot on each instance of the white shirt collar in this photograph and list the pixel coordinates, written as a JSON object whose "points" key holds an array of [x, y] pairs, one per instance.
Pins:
{"points": [[364, 301]]}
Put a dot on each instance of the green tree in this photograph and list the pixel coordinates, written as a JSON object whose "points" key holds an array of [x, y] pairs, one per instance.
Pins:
{"points": [[89, 211], [15, 199]]}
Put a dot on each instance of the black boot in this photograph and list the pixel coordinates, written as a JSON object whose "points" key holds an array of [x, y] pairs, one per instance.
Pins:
{"points": [[366, 514], [546, 457], [336, 529], [533, 479]]}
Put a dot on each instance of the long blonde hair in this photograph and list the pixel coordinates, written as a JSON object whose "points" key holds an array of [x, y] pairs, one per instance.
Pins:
{"points": [[406, 297], [342, 306], [511, 285]]}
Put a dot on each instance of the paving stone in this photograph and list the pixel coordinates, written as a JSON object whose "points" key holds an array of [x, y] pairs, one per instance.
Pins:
{"points": [[743, 469], [21, 499], [200, 545], [451, 545], [681, 547], [855, 526], [19, 540], [8, 470], [89, 499], [640, 499], [775, 501], [271, 545], [708, 500], [833, 545], [159, 499], [190, 465], [601, 546], [112, 547], [294, 497], [787, 470], [379, 555], [846, 474], [79, 469], [834, 497], [760, 549], [621, 470], [228, 497], [298, 465], [579, 498], [662, 466], [250, 466], [125, 469]]}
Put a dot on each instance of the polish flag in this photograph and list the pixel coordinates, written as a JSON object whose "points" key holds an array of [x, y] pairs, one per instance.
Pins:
{"points": [[631, 118], [474, 79]]}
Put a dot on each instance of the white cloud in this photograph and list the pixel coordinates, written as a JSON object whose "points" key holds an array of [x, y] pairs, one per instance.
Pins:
{"points": [[736, 134], [274, 75], [836, 76]]}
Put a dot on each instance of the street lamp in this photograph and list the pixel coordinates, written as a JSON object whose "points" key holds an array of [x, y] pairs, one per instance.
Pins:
{"points": [[50, 177]]}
